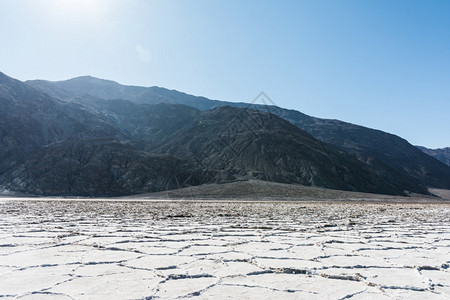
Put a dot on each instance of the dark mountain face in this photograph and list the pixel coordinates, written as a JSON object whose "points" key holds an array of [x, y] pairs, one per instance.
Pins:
{"points": [[30, 119], [100, 168], [442, 154], [241, 144], [389, 149], [53, 147]]}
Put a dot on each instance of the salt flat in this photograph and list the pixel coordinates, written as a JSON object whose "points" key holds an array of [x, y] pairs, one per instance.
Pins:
{"points": [[77, 249]]}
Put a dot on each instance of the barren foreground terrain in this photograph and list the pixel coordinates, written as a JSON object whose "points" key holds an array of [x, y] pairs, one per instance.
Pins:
{"points": [[77, 249]]}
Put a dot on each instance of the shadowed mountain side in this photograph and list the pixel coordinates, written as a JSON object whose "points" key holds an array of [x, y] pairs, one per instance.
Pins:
{"points": [[366, 144], [101, 168], [30, 119], [391, 150], [242, 144], [53, 147], [442, 154]]}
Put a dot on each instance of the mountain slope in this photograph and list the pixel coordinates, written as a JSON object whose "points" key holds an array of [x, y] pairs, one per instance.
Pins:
{"points": [[442, 154], [146, 124], [100, 167], [30, 119], [242, 144], [389, 149], [51, 147]]}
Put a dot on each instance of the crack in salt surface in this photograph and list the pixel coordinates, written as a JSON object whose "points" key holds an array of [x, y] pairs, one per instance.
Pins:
{"points": [[47, 294], [353, 294], [270, 289]]}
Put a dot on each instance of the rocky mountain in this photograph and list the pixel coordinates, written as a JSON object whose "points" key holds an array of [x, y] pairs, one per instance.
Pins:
{"points": [[100, 167], [92, 137], [238, 143], [30, 119], [442, 154], [368, 145], [53, 147]]}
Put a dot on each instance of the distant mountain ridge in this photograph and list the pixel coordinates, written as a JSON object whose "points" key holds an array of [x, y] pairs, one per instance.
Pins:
{"points": [[442, 154], [87, 85], [94, 137]]}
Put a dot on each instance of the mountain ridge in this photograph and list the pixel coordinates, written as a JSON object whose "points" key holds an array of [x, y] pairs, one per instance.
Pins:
{"points": [[441, 154]]}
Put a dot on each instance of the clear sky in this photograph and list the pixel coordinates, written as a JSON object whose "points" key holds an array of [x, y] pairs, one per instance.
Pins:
{"points": [[384, 64]]}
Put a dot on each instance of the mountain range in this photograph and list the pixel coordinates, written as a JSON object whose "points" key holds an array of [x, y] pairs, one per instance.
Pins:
{"points": [[442, 154], [92, 137]]}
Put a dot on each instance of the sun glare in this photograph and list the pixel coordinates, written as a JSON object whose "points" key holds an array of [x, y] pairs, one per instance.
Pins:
{"points": [[79, 13], [86, 6]]}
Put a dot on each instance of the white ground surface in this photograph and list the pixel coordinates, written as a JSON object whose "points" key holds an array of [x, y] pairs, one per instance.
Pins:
{"points": [[223, 250]]}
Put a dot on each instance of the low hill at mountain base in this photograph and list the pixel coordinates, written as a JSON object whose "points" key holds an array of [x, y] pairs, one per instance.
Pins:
{"points": [[257, 190]]}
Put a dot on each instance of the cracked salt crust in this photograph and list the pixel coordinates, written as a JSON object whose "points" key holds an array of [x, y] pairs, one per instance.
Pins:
{"points": [[223, 250]]}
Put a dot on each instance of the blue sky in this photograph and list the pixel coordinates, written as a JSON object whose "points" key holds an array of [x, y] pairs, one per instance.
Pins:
{"points": [[384, 64]]}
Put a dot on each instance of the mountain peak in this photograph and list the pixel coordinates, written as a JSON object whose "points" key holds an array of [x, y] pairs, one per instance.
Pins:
{"points": [[91, 79]]}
